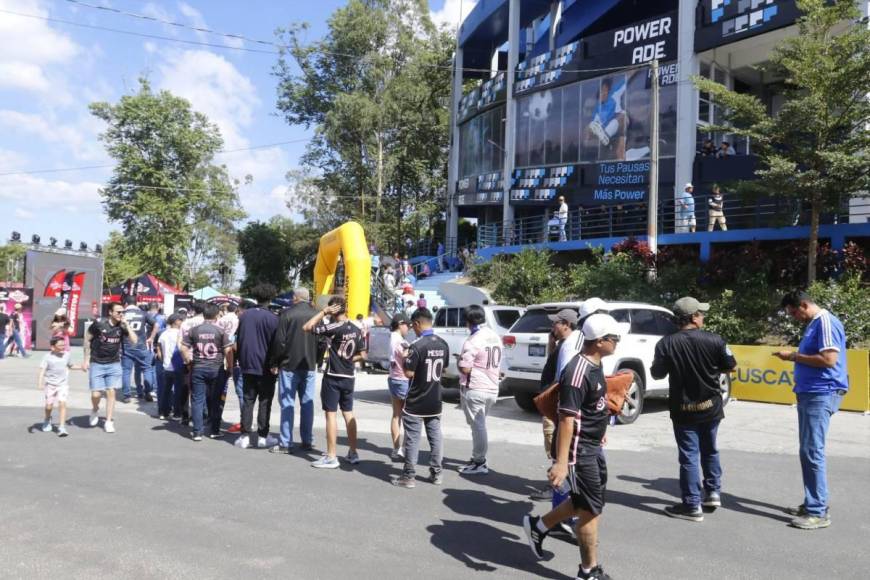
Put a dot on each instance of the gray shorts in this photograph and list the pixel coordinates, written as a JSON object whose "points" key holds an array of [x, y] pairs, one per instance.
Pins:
{"points": [[102, 377]]}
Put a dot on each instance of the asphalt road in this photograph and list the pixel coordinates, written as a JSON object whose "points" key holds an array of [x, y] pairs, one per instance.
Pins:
{"points": [[147, 502]]}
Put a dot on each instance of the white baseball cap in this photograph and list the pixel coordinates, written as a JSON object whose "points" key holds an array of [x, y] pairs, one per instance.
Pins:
{"points": [[591, 306], [600, 325], [688, 185]]}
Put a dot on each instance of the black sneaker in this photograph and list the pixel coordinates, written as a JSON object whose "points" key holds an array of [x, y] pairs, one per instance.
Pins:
{"points": [[435, 478], [712, 500], [682, 511], [149, 398], [534, 536], [596, 573], [545, 494]]}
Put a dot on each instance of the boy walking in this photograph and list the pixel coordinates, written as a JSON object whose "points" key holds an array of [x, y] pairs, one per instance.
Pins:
{"points": [[427, 356], [169, 355], [346, 347], [54, 382]]}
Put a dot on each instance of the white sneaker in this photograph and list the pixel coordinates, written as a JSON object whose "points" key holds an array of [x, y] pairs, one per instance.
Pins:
{"points": [[46, 427], [109, 426], [243, 442], [265, 442], [326, 462], [472, 468], [397, 454], [94, 420], [352, 457], [62, 432]]}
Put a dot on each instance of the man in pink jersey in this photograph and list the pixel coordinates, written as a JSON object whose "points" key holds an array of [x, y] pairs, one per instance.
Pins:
{"points": [[479, 364]]}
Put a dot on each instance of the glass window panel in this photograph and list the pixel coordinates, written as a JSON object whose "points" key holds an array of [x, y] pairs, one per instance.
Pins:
{"points": [[485, 142], [638, 114], [501, 141], [704, 111], [588, 141], [554, 130], [540, 108], [571, 124], [522, 144], [668, 121]]}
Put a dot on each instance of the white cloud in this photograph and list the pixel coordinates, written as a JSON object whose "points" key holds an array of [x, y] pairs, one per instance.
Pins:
{"points": [[32, 53], [42, 195], [452, 13], [150, 47], [80, 136], [195, 18], [23, 214]]}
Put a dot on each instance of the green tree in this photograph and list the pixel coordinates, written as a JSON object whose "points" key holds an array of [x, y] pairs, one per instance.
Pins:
{"points": [[174, 205], [817, 148], [277, 250], [375, 89], [12, 262], [120, 262]]}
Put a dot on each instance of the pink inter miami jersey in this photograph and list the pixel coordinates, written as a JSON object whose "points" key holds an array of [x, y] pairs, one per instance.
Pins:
{"points": [[482, 354]]}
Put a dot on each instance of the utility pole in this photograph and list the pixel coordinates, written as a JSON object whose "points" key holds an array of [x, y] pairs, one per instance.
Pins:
{"points": [[653, 201]]}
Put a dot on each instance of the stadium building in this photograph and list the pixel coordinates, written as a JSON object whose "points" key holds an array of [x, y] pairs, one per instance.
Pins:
{"points": [[575, 121]]}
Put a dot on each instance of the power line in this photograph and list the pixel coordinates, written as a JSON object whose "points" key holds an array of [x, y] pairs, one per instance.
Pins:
{"points": [[86, 167]]}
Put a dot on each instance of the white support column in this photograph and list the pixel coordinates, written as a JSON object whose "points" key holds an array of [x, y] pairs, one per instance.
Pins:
{"points": [[510, 137], [687, 96], [453, 162], [555, 18]]}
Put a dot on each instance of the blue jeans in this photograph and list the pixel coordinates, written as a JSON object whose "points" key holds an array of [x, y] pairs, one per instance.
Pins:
{"points": [[142, 360], [238, 383], [289, 383], [697, 449], [814, 418], [165, 391], [182, 394], [15, 338], [207, 387]]}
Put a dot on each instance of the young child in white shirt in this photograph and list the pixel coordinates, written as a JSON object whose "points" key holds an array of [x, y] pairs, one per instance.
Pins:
{"points": [[54, 382]]}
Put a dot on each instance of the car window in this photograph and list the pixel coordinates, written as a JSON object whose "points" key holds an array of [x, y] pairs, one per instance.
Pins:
{"points": [[440, 318], [644, 322], [620, 315], [665, 322], [462, 323], [534, 321], [452, 317], [506, 318]]}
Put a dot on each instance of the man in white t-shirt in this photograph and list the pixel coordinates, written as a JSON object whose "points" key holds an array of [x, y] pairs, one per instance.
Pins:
{"points": [[479, 362], [562, 216], [167, 347]]}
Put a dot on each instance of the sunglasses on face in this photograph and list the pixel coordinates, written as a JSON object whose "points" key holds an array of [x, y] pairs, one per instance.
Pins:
{"points": [[612, 338]]}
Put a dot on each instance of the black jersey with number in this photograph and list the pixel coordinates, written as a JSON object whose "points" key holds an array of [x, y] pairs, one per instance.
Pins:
{"points": [[141, 323], [208, 342], [346, 340], [583, 395], [105, 341], [427, 358]]}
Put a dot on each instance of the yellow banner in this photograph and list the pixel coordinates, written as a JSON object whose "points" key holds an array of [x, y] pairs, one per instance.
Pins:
{"points": [[760, 376]]}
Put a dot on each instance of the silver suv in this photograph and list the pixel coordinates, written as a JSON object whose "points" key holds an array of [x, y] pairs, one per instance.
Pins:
{"points": [[642, 325]]}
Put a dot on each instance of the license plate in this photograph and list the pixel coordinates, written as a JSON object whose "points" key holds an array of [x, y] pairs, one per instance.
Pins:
{"points": [[537, 350]]}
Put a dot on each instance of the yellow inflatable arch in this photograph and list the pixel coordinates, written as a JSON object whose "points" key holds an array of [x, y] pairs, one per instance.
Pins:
{"points": [[349, 242]]}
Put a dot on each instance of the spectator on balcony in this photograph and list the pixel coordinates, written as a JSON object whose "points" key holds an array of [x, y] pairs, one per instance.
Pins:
{"points": [[725, 150], [708, 149], [684, 211], [716, 211], [562, 216]]}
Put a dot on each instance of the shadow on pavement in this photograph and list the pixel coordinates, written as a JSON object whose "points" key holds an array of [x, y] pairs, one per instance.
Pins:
{"points": [[489, 548], [479, 504]]}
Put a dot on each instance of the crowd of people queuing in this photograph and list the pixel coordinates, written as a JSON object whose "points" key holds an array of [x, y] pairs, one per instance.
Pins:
{"points": [[198, 351]]}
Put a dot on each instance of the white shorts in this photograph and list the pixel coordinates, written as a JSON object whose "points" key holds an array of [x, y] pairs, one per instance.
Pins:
{"points": [[56, 394]]}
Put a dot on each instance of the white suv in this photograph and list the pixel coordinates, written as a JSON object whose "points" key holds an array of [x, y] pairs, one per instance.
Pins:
{"points": [[642, 325]]}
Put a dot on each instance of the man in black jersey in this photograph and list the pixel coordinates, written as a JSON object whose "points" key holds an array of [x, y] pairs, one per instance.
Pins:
{"points": [[582, 424], [425, 361], [103, 361], [346, 348], [138, 354], [693, 359], [207, 347]]}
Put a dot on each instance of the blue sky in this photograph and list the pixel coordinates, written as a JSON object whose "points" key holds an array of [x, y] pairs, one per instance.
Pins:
{"points": [[50, 71]]}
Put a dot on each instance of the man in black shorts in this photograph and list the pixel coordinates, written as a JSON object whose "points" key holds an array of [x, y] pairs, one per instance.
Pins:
{"points": [[582, 424], [346, 348]]}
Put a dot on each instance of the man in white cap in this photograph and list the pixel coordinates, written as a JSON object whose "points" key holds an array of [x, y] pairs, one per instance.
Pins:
{"points": [[583, 420], [693, 359], [684, 211]]}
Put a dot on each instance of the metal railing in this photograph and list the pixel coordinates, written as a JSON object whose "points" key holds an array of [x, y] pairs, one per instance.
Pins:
{"points": [[618, 221]]}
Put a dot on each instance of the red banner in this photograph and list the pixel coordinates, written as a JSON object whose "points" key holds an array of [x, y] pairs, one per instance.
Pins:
{"points": [[54, 287], [75, 297]]}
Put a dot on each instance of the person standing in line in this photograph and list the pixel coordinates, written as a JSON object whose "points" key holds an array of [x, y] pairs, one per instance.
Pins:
{"points": [[684, 216], [716, 211], [479, 364], [53, 381], [346, 348], [17, 322], [397, 381], [424, 363], [582, 425], [234, 313], [571, 340], [102, 362], [207, 348], [253, 343], [167, 356], [693, 360], [4, 330], [820, 383], [137, 354], [562, 216], [294, 354]]}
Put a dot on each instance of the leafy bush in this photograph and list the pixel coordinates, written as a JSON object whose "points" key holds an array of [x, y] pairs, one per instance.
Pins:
{"points": [[619, 276], [742, 313], [848, 299], [521, 279]]}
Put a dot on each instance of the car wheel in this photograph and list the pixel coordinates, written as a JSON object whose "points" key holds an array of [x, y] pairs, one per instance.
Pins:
{"points": [[633, 406], [526, 401], [725, 387]]}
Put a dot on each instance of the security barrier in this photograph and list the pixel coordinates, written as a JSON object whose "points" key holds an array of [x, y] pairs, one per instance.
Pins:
{"points": [[760, 376]]}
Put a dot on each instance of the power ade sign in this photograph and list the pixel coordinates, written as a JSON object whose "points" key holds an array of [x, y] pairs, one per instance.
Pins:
{"points": [[725, 21], [647, 41]]}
